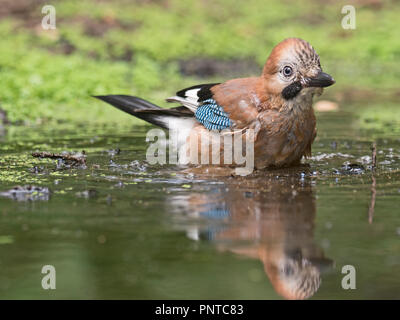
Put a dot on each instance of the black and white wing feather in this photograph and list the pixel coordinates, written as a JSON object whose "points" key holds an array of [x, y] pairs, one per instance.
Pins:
{"points": [[199, 99], [194, 96]]}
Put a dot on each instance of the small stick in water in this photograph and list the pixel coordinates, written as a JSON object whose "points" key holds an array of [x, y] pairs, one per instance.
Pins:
{"points": [[373, 155], [373, 186], [77, 158]]}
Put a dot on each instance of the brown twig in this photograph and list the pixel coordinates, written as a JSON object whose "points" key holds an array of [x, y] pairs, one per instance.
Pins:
{"points": [[373, 186], [80, 159], [373, 155]]}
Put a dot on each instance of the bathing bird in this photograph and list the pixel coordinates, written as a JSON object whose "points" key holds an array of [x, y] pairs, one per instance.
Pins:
{"points": [[276, 107]]}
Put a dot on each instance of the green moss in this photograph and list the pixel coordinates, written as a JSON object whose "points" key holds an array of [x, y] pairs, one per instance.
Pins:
{"points": [[138, 51], [384, 118]]}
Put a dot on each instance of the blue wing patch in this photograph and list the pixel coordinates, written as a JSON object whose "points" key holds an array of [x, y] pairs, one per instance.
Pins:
{"points": [[212, 116]]}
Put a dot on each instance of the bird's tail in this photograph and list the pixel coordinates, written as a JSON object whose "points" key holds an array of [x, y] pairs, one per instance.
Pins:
{"points": [[145, 110]]}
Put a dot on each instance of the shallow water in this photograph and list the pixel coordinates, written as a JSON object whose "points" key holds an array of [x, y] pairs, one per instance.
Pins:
{"points": [[124, 229]]}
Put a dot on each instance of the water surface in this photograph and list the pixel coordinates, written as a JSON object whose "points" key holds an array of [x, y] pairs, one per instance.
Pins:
{"points": [[124, 229]]}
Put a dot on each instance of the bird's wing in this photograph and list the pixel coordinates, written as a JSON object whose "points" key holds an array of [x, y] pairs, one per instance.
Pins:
{"points": [[218, 106], [199, 100], [241, 99], [194, 96]]}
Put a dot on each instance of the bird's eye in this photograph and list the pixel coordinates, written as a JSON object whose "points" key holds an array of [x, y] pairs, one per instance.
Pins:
{"points": [[287, 71]]}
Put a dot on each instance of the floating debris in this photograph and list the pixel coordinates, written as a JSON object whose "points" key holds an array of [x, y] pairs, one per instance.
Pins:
{"points": [[114, 152], [365, 160], [113, 164], [326, 156], [36, 169], [27, 193], [64, 159], [135, 164], [350, 168]]}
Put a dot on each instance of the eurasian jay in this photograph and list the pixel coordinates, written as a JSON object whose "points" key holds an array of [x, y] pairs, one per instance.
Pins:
{"points": [[277, 106]]}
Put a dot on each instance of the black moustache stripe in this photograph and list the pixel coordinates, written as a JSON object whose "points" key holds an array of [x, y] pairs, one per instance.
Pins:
{"points": [[291, 90]]}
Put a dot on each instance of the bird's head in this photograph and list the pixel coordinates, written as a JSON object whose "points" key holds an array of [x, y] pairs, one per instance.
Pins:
{"points": [[293, 67]]}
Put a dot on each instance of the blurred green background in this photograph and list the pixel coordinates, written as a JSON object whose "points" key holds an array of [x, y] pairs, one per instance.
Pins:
{"points": [[152, 48]]}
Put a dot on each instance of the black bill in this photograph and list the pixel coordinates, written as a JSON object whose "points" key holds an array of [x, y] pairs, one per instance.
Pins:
{"points": [[321, 80]]}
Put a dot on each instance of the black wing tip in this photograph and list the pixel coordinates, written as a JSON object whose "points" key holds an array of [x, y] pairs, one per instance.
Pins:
{"points": [[203, 86], [102, 97], [127, 98], [106, 98]]}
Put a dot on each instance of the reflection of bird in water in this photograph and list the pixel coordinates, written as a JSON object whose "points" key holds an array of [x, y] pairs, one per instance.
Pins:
{"points": [[266, 219]]}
